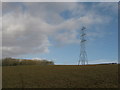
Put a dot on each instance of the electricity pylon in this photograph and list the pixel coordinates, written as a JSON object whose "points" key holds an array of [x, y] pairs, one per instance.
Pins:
{"points": [[83, 55]]}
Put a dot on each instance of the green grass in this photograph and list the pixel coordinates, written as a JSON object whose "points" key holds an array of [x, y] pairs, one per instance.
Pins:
{"points": [[60, 76]]}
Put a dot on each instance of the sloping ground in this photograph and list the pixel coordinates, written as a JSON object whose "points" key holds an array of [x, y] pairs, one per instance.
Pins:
{"points": [[61, 76], [0, 77]]}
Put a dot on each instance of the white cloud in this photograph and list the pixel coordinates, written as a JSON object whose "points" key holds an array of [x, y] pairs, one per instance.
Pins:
{"points": [[0, 31], [60, 0], [66, 38], [28, 26], [22, 34], [107, 6], [38, 1]]}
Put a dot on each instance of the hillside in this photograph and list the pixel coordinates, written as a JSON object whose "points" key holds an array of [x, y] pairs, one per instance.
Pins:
{"points": [[60, 76]]}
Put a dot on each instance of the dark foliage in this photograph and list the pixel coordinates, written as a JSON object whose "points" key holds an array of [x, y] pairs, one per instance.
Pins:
{"points": [[14, 62]]}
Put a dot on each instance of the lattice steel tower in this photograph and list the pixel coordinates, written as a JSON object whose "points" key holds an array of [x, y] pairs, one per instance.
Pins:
{"points": [[83, 55]]}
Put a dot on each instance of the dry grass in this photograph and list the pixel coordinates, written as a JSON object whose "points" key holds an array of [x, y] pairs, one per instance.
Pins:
{"points": [[60, 76], [0, 77]]}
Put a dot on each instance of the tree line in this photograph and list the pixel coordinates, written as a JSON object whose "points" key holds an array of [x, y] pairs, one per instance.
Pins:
{"points": [[14, 62]]}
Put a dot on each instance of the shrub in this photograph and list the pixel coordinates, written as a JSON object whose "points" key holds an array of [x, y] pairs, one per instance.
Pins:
{"points": [[13, 62]]}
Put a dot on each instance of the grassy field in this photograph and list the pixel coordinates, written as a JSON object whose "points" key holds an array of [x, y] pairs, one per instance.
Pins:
{"points": [[60, 76], [0, 77]]}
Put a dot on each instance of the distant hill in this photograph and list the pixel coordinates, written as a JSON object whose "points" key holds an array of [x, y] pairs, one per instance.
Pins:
{"points": [[106, 63]]}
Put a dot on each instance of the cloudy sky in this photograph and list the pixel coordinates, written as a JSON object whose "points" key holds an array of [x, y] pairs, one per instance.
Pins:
{"points": [[50, 30]]}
